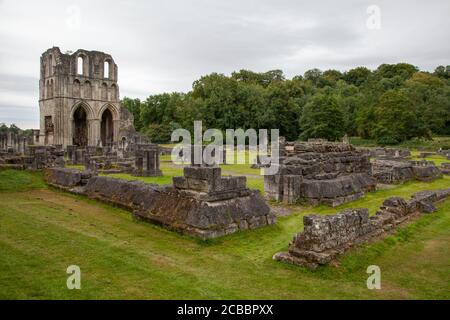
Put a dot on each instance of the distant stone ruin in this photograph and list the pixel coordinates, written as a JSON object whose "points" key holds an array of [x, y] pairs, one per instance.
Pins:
{"points": [[35, 158], [14, 143], [392, 171], [326, 236], [445, 168], [320, 172], [138, 159], [147, 161], [387, 153], [203, 203]]}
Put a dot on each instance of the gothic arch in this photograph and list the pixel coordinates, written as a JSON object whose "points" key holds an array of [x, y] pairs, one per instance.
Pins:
{"points": [[89, 111], [50, 65], [82, 65], [107, 68], [112, 108], [80, 125], [108, 126]]}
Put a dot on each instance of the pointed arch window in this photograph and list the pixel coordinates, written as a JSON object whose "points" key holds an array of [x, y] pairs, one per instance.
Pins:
{"points": [[106, 69], [50, 65], [80, 65]]}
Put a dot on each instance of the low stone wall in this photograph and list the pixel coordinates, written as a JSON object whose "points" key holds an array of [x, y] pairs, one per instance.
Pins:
{"points": [[35, 158], [391, 171], [326, 236], [445, 168], [201, 204], [66, 178]]}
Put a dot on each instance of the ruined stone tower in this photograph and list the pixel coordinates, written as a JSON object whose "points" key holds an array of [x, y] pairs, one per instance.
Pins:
{"points": [[79, 99]]}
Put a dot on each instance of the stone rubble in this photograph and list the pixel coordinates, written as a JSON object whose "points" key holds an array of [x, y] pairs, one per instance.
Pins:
{"points": [[326, 236], [35, 158]]}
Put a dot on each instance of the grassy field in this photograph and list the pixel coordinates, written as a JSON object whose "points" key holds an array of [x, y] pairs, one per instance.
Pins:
{"points": [[419, 144], [437, 159], [43, 231], [169, 170]]}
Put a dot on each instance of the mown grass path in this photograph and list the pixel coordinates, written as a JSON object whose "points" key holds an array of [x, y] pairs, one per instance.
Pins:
{"points": [[43, 231]]}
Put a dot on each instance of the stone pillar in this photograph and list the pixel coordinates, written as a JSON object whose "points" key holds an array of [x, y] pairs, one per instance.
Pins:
{"points": [[147, 161], [151, 162], [70, 153], [9, 143], [116, 126], [139, 164], [79, 156], [93, 132]]}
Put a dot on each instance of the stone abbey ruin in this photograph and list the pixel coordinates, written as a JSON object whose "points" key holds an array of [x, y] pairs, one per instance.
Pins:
{"points": [[79, 100], [82, 123]]}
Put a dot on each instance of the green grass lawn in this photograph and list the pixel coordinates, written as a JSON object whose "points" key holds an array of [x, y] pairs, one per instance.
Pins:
{"points": [[419, 144], [169, 170], [437, 159], [43, 231]]}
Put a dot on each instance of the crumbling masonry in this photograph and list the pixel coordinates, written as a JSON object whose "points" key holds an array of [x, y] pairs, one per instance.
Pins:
{"points": [[79, 100], [320, 172], [326, 236], [202, 203]]}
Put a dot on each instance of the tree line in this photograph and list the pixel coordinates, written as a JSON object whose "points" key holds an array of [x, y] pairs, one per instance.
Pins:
{"points": [[392, 104]]}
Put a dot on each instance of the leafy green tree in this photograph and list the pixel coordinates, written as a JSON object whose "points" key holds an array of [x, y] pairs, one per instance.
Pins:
{"points": [[357, 76], [442, 72], [393, 103], [3, 128], [160, 133], [395, 120], [322, 118], [430, 98], [263, 79], [403, 70]]}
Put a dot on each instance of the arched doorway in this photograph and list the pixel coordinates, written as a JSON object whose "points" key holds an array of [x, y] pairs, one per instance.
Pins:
{"points": [[80, 132], [107, 128]]}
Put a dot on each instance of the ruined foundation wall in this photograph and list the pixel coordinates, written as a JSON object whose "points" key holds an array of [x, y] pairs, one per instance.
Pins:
{"points": [[325, 237], [324, 172], [35, 158], [391, 171], [204, 204]]}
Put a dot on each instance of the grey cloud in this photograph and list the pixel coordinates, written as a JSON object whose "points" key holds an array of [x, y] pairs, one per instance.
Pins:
{"points": [[166, 45]]}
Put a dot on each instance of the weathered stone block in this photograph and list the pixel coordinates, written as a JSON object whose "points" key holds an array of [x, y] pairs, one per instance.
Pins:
{"points": [[325, 237]]}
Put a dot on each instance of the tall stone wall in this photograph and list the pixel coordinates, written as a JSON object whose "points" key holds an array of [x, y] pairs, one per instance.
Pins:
{"points": [[79, 100], [326, 236], [320, 172]]}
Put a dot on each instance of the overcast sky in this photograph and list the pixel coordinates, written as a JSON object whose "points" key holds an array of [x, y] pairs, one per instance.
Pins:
{"points": [[163, 46]]}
